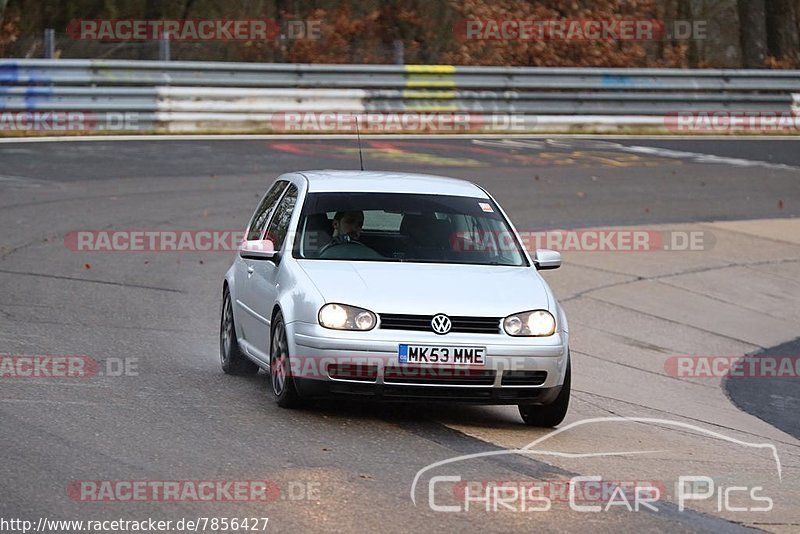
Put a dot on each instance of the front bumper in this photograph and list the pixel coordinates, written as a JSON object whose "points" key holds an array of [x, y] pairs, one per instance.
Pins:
{"points": [[516, 370]]}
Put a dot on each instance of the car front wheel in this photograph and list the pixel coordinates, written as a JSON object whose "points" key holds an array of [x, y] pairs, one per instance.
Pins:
{"points": [[279, 368], [552, 414]]}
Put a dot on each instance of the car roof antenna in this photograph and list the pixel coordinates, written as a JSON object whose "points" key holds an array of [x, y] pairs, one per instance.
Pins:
{"points": [[358, 136]]}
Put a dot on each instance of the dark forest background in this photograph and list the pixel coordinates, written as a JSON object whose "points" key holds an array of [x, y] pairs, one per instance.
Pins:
{"points": [[738, 33]]}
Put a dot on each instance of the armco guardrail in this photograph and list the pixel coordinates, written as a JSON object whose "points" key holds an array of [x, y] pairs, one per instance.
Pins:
{"points": [[249, 97]]}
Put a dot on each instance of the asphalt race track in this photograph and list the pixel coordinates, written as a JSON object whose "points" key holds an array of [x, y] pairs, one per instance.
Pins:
{"points": [[172, 415]]}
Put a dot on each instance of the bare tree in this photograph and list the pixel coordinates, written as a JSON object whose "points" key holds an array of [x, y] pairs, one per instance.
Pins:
{"points": [[186, 8], [782, 34], [684, 12], [753, 32]]}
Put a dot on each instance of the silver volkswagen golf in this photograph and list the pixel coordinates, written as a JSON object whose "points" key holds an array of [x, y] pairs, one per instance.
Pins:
{"points": [[391, 286]]}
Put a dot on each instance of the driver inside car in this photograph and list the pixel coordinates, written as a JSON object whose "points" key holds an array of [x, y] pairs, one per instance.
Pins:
{"points": [[347, 227]]}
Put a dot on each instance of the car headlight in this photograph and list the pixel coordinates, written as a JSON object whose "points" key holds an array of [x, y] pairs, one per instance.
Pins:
{"points": [[537, 323], [344, 317]]}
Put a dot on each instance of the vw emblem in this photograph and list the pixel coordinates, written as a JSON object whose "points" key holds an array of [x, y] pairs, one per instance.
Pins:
{"points": [[441, 324]]}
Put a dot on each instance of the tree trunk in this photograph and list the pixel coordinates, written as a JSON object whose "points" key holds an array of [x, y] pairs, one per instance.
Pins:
{"points": [[186, 8], [752, 33], [685, 13], [280, 48], [149, 49], [782, 35]]}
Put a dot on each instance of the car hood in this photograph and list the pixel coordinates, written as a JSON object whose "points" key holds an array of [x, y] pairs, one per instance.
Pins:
{"points": [[427, 289]]}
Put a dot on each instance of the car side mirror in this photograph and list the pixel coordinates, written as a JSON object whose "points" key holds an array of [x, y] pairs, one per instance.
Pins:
{"points": [[259, 249], [546, 259]]}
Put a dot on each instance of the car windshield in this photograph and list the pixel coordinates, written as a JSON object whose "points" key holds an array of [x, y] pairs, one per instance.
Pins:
{"points": [[405, 227]]}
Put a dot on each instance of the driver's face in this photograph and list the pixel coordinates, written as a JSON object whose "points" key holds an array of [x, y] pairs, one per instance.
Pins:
{"points": [[350, 224]]}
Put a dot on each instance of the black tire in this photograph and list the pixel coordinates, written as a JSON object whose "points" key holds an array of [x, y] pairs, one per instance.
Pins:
{"points": [[231, 357], [280, 377], [549, 415]]}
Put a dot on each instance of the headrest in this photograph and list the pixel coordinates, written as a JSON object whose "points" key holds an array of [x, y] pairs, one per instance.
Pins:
{"points": [[415, 224], [318, 232]]}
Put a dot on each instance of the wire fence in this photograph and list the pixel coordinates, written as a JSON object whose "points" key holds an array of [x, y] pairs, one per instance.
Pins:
{"points": [[268, 51]]}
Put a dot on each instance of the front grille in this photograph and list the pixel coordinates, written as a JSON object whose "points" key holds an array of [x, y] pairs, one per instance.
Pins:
{"points": [[438, 375], [422, 323], [459, 394], [405, 393], [423, 393], [524, 378]]}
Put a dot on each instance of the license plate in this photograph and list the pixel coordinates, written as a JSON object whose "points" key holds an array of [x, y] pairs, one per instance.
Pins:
{"points": [[442, 355]]}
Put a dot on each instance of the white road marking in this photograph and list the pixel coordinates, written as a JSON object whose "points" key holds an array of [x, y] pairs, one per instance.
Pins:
{"points": [[18, 181], [699, 157], [23, 182], [696, 157]]}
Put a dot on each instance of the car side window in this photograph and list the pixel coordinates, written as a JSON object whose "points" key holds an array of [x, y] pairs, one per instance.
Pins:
{"points": [[279, 225], [264, 210]]}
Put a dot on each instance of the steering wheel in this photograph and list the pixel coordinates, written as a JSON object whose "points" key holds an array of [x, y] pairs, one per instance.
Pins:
{"points": [[344, 241]]}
